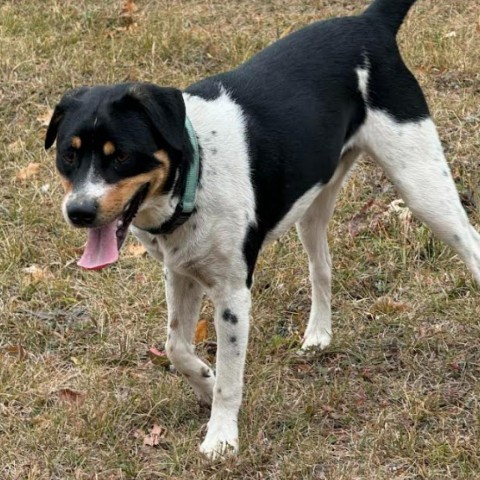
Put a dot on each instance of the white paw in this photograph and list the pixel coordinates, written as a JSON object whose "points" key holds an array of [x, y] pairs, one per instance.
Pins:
{"points": [[320, 338], [221, 441]]}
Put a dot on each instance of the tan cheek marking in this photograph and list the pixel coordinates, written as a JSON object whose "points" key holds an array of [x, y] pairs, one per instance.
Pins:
{"points": [[113, 203], [67, 185], [108, 148], [115, 200], [76, 142], [162, 172]]}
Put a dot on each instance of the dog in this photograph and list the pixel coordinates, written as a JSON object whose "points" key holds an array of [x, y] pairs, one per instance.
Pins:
{"points": [[205, 178]]}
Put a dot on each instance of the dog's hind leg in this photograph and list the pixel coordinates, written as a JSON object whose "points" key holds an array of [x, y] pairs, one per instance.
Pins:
{"points": [[184, 296], [312, 230], [412, 156]]}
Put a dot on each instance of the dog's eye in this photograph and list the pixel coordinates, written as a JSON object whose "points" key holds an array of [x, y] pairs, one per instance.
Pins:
{"points": [[121, 157], [69, 158]]}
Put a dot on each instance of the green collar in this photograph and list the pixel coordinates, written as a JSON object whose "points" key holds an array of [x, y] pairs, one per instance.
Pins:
{"points": [[186, 205], [188, 199]]}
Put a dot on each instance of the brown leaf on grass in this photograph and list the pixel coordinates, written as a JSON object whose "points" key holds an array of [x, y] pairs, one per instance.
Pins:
{"points": [[388, 305], [129, 8], [31, 170], [201, 331], [398, 206], [357, 224], [128, 16], [16, 147], [44, 118], [135, 250], [16, 351], [156, 437], [71, 397], [158, 357], [36, 274]]}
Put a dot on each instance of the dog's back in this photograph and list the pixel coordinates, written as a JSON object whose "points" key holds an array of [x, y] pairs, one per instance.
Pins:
{"points": [[306, 87]]}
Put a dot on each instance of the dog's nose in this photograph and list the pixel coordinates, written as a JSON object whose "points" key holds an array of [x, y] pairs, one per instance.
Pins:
{"points": [[82, 213]]}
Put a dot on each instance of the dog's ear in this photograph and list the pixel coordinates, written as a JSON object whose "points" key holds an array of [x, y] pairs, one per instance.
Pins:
{"points": [[165, 108], [71, 98]]}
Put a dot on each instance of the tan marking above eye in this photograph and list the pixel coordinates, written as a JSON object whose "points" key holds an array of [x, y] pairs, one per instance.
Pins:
{"points": [[76, 142], [162, 157], [108, 148]]}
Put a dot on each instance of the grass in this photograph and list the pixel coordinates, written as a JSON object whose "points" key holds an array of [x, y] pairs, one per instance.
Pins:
{"points": [[396, 396]]}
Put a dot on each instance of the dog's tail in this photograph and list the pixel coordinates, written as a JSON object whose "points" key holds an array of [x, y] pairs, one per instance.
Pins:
{"points": [[391, 13]]}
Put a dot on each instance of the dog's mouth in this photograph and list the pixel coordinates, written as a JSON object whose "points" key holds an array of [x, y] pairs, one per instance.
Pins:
{"points": [[104, 243]]}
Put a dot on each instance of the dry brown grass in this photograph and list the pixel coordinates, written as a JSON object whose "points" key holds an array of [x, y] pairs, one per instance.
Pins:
{"points": [[396, 396]]}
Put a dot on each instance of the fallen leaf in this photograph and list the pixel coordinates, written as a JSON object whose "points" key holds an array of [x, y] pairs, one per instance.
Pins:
{"points": [[404, 213], [44, 118], [16, 351], [156, 437], [135, 250], [357, 224], [302, 367], [129, 8], [37, 274], [70, 396], [128, 17], [31, 170], [16, 147], [398, 206], [158, 357], [388, 305], [201, 331]]}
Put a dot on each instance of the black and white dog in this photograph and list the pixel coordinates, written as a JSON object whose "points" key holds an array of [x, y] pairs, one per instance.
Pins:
{"points": [[209, 176]]}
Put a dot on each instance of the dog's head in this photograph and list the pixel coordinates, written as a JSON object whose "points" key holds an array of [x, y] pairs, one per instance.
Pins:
{"points": [[117, 147]]}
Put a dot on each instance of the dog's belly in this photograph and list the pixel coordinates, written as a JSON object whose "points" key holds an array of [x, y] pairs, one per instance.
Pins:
{"points": [[295, 213]]}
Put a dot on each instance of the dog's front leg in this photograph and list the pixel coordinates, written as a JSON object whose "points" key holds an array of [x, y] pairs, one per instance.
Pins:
{"points": [[232, 309], [184, 296]]}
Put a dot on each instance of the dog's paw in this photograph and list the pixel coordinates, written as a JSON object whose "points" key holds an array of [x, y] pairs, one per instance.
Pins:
{"points": [[319, 339], [221, 441], [203, 389]]}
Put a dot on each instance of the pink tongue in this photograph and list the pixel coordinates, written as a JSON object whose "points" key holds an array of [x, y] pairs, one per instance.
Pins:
{"points": [[101, 249]]}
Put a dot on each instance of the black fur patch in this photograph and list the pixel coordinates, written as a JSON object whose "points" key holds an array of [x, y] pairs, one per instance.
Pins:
{"points": [[302, 103], [228, 316]]}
